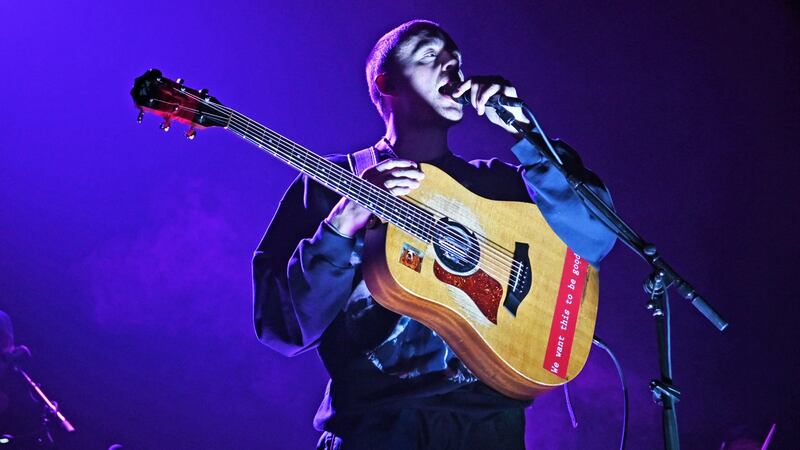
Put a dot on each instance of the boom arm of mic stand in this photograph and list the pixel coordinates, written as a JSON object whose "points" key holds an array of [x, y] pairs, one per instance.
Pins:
{"points": [[50, 406], [612, 220]]}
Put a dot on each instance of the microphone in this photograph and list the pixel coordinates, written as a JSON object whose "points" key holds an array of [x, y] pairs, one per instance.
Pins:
{"points": [[496, 101]]}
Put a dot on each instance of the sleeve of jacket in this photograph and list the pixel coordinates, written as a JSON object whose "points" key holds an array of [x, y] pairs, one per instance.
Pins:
{"points": [[302, 273], [565, 212]]}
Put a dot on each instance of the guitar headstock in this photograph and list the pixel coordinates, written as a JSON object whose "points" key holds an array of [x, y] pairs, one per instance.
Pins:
{"points": [[173, 101]]}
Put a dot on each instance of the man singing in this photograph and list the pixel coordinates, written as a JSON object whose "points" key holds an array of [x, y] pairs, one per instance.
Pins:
{"points": [[395, 384]]}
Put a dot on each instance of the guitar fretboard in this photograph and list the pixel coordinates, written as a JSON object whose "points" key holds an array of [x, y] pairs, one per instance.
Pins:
{"points": [[406, 216]]}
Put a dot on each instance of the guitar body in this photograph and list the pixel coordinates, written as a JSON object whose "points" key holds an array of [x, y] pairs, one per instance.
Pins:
{"points": [[520, 344]]}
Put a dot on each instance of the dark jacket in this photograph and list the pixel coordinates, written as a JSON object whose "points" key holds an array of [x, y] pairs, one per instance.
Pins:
{"points": [[309, 292]]}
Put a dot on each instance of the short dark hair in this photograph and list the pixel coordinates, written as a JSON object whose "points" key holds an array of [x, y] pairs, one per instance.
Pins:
{"points": [[384, 52]]}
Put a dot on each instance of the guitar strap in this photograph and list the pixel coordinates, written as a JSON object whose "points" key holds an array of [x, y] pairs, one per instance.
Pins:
{"points": [[362, 160]]}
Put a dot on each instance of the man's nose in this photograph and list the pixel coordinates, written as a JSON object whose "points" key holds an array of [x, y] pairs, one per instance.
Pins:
{"points": [[451, 63]]}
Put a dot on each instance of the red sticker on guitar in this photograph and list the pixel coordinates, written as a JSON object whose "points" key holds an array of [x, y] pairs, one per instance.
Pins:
{"points": [[565, 316]]}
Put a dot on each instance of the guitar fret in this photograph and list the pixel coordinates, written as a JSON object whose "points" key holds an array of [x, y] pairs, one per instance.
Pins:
{"points": [[261, 140]]}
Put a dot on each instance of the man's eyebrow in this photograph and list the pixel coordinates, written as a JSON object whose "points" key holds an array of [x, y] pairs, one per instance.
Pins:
{"points": [[425, 43]]}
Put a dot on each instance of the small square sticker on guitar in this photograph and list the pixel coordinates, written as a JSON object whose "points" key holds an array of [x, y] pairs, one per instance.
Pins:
{"points": [[411, 257]]}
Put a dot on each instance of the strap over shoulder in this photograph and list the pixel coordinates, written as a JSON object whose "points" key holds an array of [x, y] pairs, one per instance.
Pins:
{"points": [[362, 160]]}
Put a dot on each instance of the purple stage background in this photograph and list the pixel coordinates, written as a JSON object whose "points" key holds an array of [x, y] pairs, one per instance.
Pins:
{"points": [[125, 252]]}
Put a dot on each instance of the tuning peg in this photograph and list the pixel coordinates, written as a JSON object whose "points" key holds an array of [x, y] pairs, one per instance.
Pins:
{"points": [[165, 126], [179, 81], [155, 74], [204, 92], [140, 117], [191, 133]]}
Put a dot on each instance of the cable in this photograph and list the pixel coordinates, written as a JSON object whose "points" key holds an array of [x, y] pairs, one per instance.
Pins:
{"points": [[527, 111], [570, 409], [596, 341]]}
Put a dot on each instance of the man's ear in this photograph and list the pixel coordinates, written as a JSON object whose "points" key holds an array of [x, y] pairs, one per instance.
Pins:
{"points": [[384, 84]]}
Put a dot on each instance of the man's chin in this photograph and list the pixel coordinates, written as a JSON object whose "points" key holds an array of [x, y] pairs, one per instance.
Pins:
{"points": [[452, 115]]}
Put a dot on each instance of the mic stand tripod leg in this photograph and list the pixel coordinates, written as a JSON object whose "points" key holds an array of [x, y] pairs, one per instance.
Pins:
{"points": [[664, 393]]}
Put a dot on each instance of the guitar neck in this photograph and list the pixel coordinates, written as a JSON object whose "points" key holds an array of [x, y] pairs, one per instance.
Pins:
{"points": [[389, 208]]}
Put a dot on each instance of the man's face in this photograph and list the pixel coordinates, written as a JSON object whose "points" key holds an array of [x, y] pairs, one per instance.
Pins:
{"points": [[425, 64]]}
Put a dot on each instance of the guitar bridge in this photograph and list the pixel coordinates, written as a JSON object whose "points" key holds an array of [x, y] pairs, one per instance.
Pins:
{"points": [[520, 280]]}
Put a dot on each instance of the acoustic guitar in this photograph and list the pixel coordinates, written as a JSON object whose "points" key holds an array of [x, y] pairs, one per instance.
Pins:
{"points": [[501, 288]]}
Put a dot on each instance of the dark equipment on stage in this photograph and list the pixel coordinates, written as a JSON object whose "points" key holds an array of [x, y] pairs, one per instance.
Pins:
{"points": [[26, 412]]}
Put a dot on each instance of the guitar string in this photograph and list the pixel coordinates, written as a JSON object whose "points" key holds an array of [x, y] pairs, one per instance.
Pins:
{"points": [[244, 133], [492, 254], [244, 125], [491, 269], [424, 227], [470, 255]]}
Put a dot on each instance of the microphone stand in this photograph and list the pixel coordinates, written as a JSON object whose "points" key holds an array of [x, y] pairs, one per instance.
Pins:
{"points": [[663, 276], [49, 406]]}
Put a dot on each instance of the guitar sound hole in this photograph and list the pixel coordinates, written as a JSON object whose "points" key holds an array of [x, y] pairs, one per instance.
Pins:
{"points": [[456, 247]]}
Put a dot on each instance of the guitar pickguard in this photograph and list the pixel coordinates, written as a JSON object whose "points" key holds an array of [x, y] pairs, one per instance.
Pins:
{"points": [[484, 290]]}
